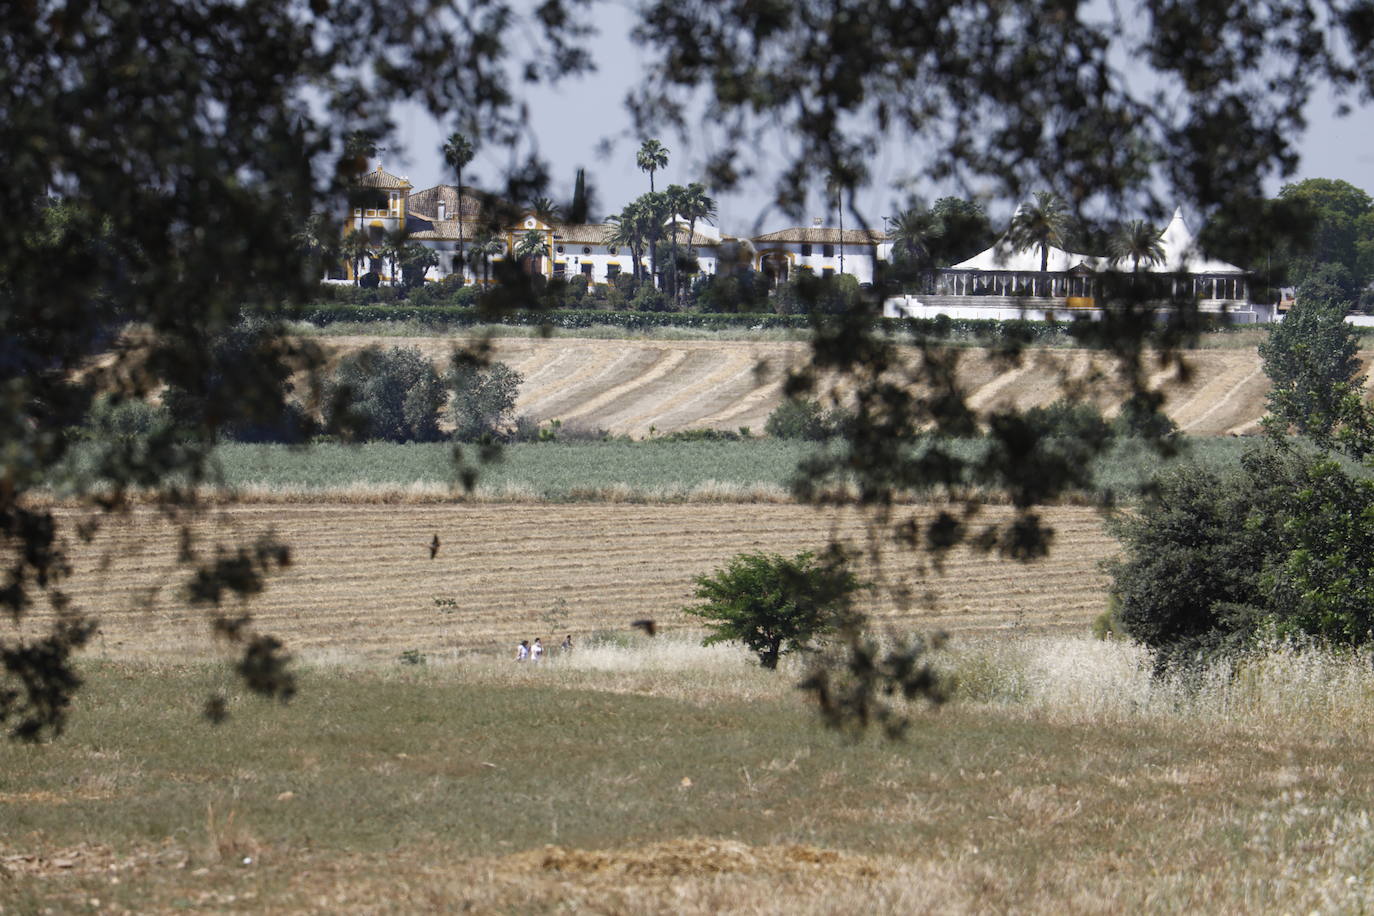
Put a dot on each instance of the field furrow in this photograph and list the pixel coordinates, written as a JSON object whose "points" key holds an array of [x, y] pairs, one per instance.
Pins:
{"points": [[628, 386], [362, 582]]}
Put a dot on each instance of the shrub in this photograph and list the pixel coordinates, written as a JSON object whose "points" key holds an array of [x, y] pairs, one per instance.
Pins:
{"points": [[1065, 419], [1140, 418], [649, 299], [241, 390], [701, 435], [804, 418], [773, 604], [393, 395], [124, 418], [807, 294], [483, 398], [1281, 545]]}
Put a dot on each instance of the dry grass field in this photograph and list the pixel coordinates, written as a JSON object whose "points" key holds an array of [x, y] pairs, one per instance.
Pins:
{"points": [[629, 387], [664, 777], [363, 583], [420, 769]]}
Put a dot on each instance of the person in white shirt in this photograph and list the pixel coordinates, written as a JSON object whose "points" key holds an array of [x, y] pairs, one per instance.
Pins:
{"points": [[522, 652], [537, 653]]}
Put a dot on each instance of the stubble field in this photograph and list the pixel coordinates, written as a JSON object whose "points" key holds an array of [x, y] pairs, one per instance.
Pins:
{"points": [[633, 387], [362, 581], [420, 769]]}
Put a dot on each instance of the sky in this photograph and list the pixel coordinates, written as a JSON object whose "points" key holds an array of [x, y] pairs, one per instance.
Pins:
{"points": [[582, 122]]}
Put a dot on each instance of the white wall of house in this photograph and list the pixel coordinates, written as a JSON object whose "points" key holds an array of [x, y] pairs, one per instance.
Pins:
{"points": [[599, 263], [858, 259]]}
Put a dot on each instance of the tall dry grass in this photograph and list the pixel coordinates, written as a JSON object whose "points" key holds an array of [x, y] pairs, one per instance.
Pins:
{"points": [[1300, 687]]}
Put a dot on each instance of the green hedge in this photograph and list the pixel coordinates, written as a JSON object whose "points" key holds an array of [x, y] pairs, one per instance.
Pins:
{"points": [[573, 319]]}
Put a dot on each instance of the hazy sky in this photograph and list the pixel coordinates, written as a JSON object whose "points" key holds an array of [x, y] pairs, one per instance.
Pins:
{"points": [[573, 122]]}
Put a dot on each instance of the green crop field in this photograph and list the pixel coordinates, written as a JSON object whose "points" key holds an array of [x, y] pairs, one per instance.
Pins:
{"points": [[746, 470]]}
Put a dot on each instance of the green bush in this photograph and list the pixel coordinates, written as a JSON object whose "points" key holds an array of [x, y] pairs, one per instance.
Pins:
{"points": [[1312, 359], [773, 604], [124, 418], [1140, 418], [483, 399], [1281, 545], [804, 418], [393, 395], [807, 294], [1065, 419], [982, 331], [701, 435], [649, 299], [241, 390]]}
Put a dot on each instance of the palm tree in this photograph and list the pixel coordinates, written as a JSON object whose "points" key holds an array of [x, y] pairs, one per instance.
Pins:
{"points": [[484, 248], [416, 262], [651, 157], [673, 199], [395, 246], [913, 232], [357, 247], [546, 210], [531, 246], [630, 229], [696, 205], [1039, 225], [1139, 241], [458, 152], [319, 239]]}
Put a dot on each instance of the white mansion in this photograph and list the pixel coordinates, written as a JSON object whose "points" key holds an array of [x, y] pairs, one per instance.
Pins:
{"points": [[1000, 282]]}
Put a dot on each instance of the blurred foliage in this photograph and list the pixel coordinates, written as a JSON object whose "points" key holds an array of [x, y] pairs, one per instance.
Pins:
{"points": [[162, 161], [164, 157]]}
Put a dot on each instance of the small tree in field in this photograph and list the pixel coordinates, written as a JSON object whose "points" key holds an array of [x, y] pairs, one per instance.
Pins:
{"points": [[1313, 361], [773, 604]]}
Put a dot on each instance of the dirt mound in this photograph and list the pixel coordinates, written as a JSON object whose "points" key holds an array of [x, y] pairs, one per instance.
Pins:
{"points": [[687, 858]]}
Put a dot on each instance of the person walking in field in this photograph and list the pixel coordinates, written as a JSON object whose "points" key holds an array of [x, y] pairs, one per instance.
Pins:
{"points": [[522, 652], [566, 644], [537, 653]]}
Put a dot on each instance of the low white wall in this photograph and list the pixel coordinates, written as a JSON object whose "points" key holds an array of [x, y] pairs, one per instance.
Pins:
{"points": [[1005, 308]]}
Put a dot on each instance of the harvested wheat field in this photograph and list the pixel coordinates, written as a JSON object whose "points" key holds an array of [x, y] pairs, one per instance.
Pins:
{"points": [[630, 387], [362, 579]]}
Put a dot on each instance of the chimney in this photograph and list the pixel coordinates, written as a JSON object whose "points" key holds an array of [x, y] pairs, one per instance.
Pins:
{"points": [[816, 222]]}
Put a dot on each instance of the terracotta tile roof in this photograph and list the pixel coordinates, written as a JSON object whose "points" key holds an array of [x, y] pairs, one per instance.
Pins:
{"points": [[697, 239], [582, 234], [426, 203], [824, 235], [447, 230], [383, 180]]}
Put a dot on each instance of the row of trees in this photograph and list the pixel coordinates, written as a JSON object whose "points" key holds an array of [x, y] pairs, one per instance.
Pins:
{"points": [[953, 229]]}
